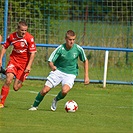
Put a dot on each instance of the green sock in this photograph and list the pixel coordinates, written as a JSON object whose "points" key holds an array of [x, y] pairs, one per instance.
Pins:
{"points": [[59, 96], [38, 99]]}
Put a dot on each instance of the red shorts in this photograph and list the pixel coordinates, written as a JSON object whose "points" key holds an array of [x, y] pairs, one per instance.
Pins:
{"points": [[17, 70]]}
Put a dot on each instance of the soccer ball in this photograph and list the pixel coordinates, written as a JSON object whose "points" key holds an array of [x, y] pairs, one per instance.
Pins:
{"points": [[71, 106]]}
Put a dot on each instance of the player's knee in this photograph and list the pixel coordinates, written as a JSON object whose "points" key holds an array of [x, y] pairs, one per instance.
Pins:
{"points": [[8, 82], [64, 92], [45, 90]]}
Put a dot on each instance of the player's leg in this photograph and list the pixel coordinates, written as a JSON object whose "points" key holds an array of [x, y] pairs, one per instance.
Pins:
{"points": [[5, 88], [52, 81], [61, 95], [41, 94], [63, 92], [67, 84], [20, 78], [17, 84]]}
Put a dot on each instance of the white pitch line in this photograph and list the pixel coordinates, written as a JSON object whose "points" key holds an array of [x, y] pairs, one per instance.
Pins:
{"points": [[35, 92], [107, 106]]}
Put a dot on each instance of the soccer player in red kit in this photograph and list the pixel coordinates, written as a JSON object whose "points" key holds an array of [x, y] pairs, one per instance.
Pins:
{"points": [[21, 59]]}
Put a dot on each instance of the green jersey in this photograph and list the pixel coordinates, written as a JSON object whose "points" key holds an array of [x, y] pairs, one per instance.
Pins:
{"points": [[67, 60]]}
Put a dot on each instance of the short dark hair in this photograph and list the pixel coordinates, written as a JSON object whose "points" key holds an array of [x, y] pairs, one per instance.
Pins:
{"points": [[22, 23], [70, 33]]}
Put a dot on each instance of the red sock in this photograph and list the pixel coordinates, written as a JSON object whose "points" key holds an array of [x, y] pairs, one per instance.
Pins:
{"points": [[4, 93]]}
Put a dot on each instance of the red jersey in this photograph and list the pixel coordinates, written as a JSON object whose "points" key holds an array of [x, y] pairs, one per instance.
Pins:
{"points": [[22, 47]]}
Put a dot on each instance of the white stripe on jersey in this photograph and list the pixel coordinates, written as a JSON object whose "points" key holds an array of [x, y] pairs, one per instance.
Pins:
{"points": [[21, 40], [82, 51], [53, 53]]}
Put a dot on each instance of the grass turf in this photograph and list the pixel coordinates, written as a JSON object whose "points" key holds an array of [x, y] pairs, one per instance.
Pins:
{"points": [[100, 110]]}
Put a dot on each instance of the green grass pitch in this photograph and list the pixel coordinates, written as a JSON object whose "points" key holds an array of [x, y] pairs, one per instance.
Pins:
{"points": [[100, 110]]}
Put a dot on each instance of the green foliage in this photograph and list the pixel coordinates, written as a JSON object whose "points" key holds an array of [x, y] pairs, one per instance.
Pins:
{"points": [[46, 18], [96, 23]]}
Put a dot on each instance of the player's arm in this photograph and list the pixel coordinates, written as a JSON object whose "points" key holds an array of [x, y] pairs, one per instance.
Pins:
{"points": [[86, 68], [32, 56], [52, 66], [32, 51], [4, 47], [53, 57], [3, 51]]}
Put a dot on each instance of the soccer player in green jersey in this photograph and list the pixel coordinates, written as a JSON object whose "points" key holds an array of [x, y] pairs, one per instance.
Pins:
{"points": [[64, 68]]}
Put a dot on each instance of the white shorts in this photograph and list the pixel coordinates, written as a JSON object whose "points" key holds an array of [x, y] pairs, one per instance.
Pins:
{"points": [[56, 77]]}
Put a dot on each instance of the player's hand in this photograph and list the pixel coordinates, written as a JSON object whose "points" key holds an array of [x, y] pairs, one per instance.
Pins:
{"points": [[86, 81], [2, 70], [53, 68]]}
